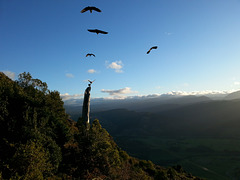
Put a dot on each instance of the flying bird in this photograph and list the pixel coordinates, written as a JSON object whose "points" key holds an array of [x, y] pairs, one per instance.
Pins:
{"points": [[91, 81], [90, 55], [90, 8], [97, 31], [154, 47]]}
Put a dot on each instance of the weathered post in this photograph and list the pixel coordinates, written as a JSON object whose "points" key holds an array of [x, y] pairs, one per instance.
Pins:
{"points": [[86, 105]]}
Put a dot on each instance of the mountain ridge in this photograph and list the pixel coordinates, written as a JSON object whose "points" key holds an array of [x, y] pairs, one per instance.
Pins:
{"points": [[232, 96], [205, 117]]}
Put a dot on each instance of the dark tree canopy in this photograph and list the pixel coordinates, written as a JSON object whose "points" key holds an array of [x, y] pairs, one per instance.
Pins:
{"points": [[30, 112], [39, 141]]}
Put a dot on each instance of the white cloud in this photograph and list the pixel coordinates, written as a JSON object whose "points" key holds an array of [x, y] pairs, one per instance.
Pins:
{"points": [[168, 33], [91, 71], [114, 94], [10, 74], [117, 66], [115, 97], [67, 96], [236, 83], [119, 92], [145, 96], [197, 93], [69, 75]]}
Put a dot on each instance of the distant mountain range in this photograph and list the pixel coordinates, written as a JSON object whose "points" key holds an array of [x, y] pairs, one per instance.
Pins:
{"points": [[154, 97], [169, 115], [137, 104], [145, 103], [232, 96], [215, 119]]}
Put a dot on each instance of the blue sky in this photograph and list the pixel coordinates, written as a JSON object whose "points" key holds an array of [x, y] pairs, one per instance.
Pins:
{"points": [[198, 45]]}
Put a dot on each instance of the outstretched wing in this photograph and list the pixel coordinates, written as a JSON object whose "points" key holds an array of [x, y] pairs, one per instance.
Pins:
{"points": [[90, 8], [154, 47], [149, 51], [85, 9], [89, 54], [102, 32], [91, 81], [92, 30], [96, 9], [97, 31]]}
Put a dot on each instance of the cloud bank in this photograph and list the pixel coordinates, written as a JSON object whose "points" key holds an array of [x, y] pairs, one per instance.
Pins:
{"points": [[197, 93]]}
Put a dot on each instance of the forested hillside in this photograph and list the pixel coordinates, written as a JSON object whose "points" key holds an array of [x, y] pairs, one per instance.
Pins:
{"points": [[39, 141]]}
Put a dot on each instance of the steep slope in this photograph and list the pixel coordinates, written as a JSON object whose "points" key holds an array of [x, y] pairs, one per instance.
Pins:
{"points": [[98, 156]]}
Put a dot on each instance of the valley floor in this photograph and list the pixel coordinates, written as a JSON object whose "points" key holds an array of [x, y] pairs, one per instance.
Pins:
{"points": [[210, 158]]}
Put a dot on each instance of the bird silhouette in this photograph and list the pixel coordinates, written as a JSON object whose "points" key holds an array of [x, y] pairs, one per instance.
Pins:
{"points": [[91, 81], [97, 31], [90, 8], [89, 54], [154, 47]]}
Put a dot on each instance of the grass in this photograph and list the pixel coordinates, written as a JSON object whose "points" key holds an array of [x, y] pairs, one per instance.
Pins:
{"points": [[210, 158]]}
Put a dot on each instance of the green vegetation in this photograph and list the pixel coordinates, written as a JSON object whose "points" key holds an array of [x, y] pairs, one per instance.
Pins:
{"points": [[33, 128], [202, 137], [39, 141], [210, 158]]}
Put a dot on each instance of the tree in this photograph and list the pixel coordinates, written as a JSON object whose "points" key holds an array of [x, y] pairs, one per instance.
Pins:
{"points": [[30, 112], [31, 161], [25, 80]]}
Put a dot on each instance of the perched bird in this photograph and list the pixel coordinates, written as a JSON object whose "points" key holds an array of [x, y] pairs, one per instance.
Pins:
{"points": [[90, 8], [97, 31], [90, 55], [154, 47]]}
